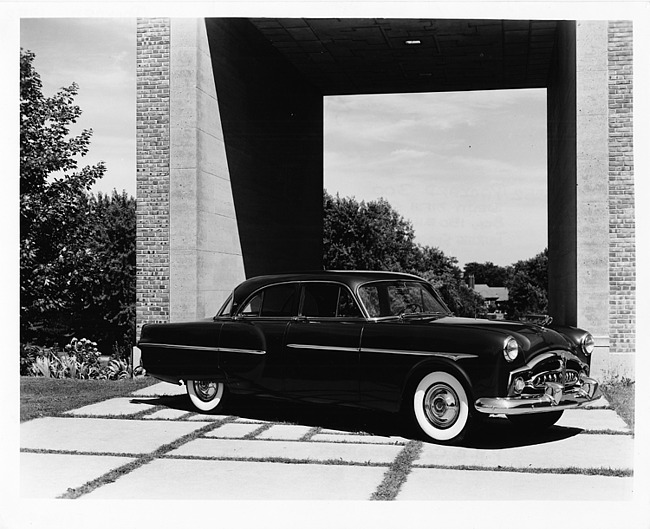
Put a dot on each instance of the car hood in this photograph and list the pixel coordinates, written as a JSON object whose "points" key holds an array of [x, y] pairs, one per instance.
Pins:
{"points": [[532, 338]]}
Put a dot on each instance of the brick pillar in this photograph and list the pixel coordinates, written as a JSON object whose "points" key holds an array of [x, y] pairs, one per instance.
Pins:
{"points": [[152, 160], [622, 255]]}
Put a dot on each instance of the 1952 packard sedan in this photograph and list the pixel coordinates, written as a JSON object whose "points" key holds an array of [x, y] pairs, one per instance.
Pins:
{"points": [[376, 340]]}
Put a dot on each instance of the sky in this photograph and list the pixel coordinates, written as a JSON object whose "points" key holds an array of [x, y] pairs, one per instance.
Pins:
{"points": [[99, 55], [468, 169]]}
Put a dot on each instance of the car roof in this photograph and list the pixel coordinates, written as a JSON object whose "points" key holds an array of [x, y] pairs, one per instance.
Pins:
{"points": [[351, 278]]}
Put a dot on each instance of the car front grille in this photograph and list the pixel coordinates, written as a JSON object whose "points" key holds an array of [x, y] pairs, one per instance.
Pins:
{"points": [[569, 378]]}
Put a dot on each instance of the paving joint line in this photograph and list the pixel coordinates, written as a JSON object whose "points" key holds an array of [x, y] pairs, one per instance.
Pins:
{"points": [[116, 473], [398, 472], [569, 471]]}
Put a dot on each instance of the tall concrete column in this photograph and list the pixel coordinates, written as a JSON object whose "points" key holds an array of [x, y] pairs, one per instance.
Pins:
{"points": [[592, 184], [205, 253]]}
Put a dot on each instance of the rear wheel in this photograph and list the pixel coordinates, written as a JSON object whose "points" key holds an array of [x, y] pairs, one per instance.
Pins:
{"points": [[206, 395], [536, 422], [441, 407]]}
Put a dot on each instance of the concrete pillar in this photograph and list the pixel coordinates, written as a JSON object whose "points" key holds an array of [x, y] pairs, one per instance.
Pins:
{"points": [[592, 185], [272, 120], [205, 253], [562, 235]]}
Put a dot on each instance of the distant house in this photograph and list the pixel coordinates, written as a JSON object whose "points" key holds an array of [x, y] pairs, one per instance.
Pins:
{"points": [[495, 299]]}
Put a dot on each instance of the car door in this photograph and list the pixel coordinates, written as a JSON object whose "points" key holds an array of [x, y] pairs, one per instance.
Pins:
{"points": [[251, 344], [321, 353]]}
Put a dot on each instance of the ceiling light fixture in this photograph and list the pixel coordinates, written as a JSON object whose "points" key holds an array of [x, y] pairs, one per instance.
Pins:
{"points": [[412, 42]]}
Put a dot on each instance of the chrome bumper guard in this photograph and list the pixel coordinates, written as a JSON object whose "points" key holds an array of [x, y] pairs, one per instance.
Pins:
{"points": [[555, 398]]}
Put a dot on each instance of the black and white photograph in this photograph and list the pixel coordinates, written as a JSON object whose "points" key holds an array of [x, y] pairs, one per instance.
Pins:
{"points": [[313, 263]]}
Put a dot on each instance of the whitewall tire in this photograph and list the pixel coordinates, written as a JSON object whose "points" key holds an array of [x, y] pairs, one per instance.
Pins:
{"points": [[206, 395], [441, 407]]}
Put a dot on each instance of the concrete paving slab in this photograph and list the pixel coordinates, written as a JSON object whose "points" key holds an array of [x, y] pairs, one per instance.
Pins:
{"points": [[50, 475], [167, 413], [356, 438], [593, 420], [161, 389], [235, 480], [471, 485], [116, 436], [581, 451], [112, 408], [600, 402], [255, 421], [330, 431], [233, 430], [206, 417], [290, 450], [285, 432]]}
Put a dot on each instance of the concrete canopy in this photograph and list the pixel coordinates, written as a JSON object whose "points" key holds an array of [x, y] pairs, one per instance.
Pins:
{"points": [[377, 55]]}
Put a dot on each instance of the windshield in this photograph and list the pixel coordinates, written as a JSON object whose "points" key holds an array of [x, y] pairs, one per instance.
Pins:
{"points": [[400, 298]]}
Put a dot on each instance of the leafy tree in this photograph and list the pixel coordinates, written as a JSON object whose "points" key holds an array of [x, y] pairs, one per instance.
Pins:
{"points": [[105, 309], [373, 236], [75, 250], [365, 236], [488, 273], [528, 287]]}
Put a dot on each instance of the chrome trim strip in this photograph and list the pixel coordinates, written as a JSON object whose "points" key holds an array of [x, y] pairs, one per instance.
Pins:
{"points": [[453, 356], [244, 351], [202, 348], [323, 347]]}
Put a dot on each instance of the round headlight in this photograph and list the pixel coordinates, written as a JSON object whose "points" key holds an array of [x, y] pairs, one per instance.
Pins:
{"points": [[587, 344], [510, 349]]}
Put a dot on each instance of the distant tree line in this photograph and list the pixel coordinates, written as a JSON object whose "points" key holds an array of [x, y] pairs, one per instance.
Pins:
{"points": [[526, 280], [373, 236]]}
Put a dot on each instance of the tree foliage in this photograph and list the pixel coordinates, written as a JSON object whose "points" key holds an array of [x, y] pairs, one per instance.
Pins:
{"points": [[76, 250], [488, 273], [373, 236], [528, 287], [526, 280]]}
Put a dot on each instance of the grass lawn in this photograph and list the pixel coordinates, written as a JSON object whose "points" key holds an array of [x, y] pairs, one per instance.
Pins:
{"points": [[620, 395], [42, 397]]}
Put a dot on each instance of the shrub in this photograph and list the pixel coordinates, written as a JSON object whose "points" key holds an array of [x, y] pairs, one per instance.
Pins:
{"points": [[80, 359]]}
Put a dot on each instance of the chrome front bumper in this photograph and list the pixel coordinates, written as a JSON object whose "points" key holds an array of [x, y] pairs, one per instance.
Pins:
{"points": [[554, 398]]}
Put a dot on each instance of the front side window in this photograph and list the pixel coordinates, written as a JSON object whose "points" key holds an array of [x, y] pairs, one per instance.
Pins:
{"points": [[397, 298], [328, 300], [276, 302]]}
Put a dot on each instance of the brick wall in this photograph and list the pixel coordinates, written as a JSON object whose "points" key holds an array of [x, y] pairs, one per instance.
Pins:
{"points": [[152, 160], [622, 256]]}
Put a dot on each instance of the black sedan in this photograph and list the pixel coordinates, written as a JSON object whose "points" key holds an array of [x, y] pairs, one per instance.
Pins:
{"points": [[375, 340]]}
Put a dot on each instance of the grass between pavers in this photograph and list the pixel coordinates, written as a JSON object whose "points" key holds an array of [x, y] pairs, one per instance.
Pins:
{"points": [[46, 397], [398, 472], [620, 394], [114, 474]]}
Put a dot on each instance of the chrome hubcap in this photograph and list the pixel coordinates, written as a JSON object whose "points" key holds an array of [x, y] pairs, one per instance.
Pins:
{"points": [[441, 405], [206, 390]]}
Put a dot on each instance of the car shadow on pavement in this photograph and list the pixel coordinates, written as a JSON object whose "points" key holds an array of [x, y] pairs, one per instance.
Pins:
{"points": [[497, 433], [493, 433]]}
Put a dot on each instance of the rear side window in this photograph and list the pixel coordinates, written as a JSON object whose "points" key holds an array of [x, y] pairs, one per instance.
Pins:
{"points": [[276, 301], [328, 300]]}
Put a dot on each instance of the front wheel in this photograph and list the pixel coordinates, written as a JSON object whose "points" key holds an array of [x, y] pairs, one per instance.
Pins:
{"points": [[206, 395], [441, 407], [536, 422]]}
